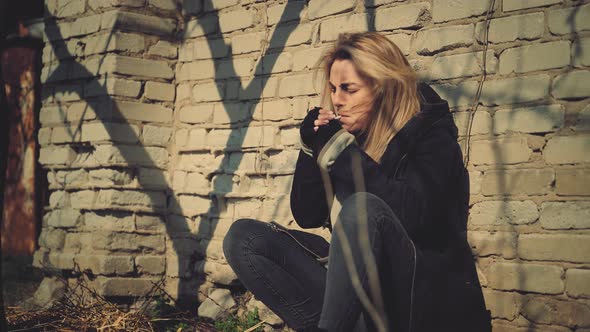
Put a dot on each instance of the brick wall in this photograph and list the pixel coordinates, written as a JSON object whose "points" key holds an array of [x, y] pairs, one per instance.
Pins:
{"points": [[164, 121]]}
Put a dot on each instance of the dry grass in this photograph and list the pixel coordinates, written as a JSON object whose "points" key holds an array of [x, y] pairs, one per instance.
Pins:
{"points": [[83, 309]]}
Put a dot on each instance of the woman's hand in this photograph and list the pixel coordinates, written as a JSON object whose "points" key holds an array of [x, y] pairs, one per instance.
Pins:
{"points": [[318, 127], [324, 117]]}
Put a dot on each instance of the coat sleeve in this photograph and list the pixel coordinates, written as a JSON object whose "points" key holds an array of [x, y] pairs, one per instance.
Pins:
{"points": [[308, 197], [418, 196]]}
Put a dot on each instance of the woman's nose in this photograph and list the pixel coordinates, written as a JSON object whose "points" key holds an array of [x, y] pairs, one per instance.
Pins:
{"points": [[337, 99]]}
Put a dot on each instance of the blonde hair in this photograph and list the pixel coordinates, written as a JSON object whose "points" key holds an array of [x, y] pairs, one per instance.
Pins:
{"points": [[393, 81]]}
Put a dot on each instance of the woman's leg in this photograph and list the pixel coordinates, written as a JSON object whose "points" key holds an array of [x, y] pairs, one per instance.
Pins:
{"points": [[382, 249], [278, 271]]}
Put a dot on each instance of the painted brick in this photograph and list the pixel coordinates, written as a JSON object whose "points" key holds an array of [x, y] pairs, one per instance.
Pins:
{"points": [[150, 264], [105, 177], [554, 247], [124, 286], [565, 215], [515, 90], [534, 278], [44, 136], [577, 283], [482, 122], [402, 41], [567, 150], [98, 4], [517, 182], [67, 8], [114, 87], [164, 49], [56, 155], [285, 13], [105, 131], [503, 213], [496, 243], [123, 155], [502, 304], [240, 67], [155, 135], [571, 85], [105, 265], [140, 67], [130, 199], [190, 205], [526, 58], [108, 42], [143, 112], [297, 85], [296, 35], [510, 5], [236, 20], [581, 52], [539, 119], [403, 16], [218, 4], [83, 199], [306, 58], [556, 312], [444, 10], [159, 91], [457, 95], [208, 92], [202, 26], [275, 63], [572, 182], [197, 70], [183, 92], [284, 161], [432, 41], [569, 20], [510, 150], [275, 110], [331, 28], [475, 182], [231, 113], [512, 28], [321, 8], [153, 178], [248, 42], [461, 65], [204, 49], [52, 115], [196, 114], [163, 4], [85, 25], [122, 20]]}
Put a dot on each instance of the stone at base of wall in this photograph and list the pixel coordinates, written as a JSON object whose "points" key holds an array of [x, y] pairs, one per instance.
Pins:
{"points": [[219, 302], [50, 291]]}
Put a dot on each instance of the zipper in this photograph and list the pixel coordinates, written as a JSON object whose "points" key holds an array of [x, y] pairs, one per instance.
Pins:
{"points": [[279, 228]]}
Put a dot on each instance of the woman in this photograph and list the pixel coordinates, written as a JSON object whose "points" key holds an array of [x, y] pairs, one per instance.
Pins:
{"points": [[380, 161]]}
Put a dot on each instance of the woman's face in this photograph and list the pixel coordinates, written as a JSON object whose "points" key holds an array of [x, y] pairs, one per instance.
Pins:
{"points": [[351, 96]]}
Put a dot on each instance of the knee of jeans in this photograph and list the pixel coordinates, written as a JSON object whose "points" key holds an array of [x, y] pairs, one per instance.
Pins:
{"points": [[362, 204], [235, 238]]}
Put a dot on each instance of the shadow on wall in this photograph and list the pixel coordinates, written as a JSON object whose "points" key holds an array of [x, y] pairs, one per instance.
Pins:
{"points": [[185, 241]]}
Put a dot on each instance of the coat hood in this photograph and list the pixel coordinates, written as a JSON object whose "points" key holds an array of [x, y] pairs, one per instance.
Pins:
{"points": [[434, 112]]}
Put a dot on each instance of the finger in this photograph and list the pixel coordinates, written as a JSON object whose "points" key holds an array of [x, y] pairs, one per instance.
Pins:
{"points": [[316, 128]]}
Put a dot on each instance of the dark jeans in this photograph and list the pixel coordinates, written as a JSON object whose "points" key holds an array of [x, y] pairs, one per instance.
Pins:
{"points": [[304, 294]]}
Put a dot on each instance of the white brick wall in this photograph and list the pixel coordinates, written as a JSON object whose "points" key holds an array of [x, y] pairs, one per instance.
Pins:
{"points": [[162, 131]]}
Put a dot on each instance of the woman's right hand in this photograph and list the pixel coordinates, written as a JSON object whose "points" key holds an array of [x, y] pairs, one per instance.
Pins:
{"points": [[310, 132]]}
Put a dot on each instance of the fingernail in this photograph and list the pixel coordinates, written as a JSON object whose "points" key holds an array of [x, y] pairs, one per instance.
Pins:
{"points": [[337, 118], [316, 128]]}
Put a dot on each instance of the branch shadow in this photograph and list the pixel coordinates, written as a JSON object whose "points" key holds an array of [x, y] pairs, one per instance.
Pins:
{"points": [[191, 255]]}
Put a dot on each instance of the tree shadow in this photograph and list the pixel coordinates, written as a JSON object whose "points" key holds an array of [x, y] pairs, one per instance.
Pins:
{"points": [[191, 258]]}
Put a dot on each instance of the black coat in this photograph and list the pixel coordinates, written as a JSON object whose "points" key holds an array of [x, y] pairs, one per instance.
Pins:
{"points": [[422, 178]]}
